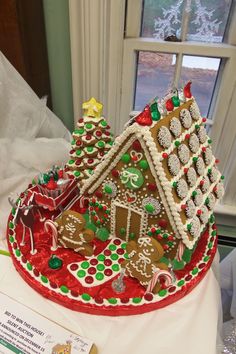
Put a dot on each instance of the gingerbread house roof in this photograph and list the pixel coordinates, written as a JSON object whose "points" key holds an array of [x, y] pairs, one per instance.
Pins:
{"points": [[178, 151]]}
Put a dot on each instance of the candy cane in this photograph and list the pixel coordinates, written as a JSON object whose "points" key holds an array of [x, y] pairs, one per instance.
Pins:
{"points": [[49, 224], [180, 251], [159, 273]]}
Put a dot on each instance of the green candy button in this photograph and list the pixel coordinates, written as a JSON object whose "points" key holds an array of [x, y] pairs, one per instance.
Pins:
{"points": [[114, 256], [100, 267], [44, 279], [112, 247], [115, 267], [149, 208], [137, 300], [99, 276], [143, 164], [81, 273], [125, 158], [29, 266], [162, 292], [78, 152], [112, 300], [64, 289], [84, 265], [18, 253], [86, 297], [132, 178], [101, 257]]}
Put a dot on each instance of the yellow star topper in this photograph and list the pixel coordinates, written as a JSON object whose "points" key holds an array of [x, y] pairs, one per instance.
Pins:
{"points": [[92, 108]]}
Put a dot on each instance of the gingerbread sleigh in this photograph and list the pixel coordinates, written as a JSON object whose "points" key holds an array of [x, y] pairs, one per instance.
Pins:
{"points": [[145, 233]]}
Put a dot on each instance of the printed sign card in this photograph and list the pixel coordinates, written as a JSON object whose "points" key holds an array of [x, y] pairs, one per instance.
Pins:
{"points": [[23, 331]]}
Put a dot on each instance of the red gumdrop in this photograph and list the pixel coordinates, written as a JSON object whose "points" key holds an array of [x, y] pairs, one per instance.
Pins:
{"points": [[163, 223], [98, 133], [187, 90], [98, 194], [169, 105], [78, 142], [144, 118], [81, 120], [115, 173], [152, 187], [51, 184], [137, 146]]}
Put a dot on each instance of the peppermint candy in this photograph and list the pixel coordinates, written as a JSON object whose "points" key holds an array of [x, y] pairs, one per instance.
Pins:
{"points": [[164, 137], [194, 110], [206, 185], [202, 134], [219, 190], [193, 143], [198, 197], [195, 227], [185, 118], [204, 214], [173, 164], [175, 127], [190, 209], [213, 175], [182, 188], [183, 153], [208, 156], [200, 166], [191, 176]]}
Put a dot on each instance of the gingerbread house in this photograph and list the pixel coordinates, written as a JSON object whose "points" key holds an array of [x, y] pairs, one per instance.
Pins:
{"points": [[160, 177]]}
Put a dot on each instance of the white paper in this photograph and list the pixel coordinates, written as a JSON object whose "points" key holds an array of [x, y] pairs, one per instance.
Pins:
{"points": [[23, 331]]}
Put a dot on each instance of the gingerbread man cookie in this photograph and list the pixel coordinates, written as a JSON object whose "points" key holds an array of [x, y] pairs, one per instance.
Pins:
{"points": [[143, 261], [72, 233]]}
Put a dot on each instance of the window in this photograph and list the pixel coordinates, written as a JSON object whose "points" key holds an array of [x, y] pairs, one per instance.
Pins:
{"points": [[170, 42]]}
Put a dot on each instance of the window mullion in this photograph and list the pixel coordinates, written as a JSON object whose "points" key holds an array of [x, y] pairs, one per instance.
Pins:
{"points": [[178, 66]]}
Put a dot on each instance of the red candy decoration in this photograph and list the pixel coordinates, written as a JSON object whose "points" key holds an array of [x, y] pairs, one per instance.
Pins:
{"points": [[187, 90], [185, 170], [88, 137], [217, 161], [153, 230], [199, 212], [137, 146], [204, 120], [144, 118], [51, 185], [187, 136], [164, 155], [183, 206], [72, 151], [92, 270], [89, 280], [117, 242], [115, 173], [74, 293], [98, 194], [134, 158], [81, 120], [78, 142], [163, 223], [60, 173], [98, 133], [98, 300], [169, 105], [74, 266], [203, 148], [108, 272], [90, 161], [202, 182], [148, 296], [108, 262], [152, 187], [78, 162]]}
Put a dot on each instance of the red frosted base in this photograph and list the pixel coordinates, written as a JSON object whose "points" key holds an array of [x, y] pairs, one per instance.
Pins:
{"points": [[69, 289]]}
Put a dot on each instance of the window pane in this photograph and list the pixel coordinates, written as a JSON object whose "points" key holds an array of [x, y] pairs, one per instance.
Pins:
{"points": [[202, 71], [208, 20], [161, 18], [155, 73]]}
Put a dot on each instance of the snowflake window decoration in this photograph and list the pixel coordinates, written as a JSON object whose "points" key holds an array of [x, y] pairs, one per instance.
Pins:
{"points": [[191, 177], [164, 137], [182, 188], [193, 142], [200, 166], [183, 153], [185, 118], [190, 209], [175, 127], [173, 164]]}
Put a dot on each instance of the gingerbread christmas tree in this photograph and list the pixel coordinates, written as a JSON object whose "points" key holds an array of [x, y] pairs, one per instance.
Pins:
{"points": [[92, 139]]}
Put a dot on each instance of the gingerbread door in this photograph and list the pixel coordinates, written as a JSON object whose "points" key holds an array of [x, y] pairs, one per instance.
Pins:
{"points": [[128, 222]]}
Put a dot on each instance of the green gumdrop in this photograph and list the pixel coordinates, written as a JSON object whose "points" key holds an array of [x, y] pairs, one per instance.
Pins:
{"points": [[103, 234], [176, 101], [125, 158], [143, 164], [108, 189], [78, 152], [122, 231], [177, 265], [101, 144], [46, 177], [155, 112], [149, 208]]}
